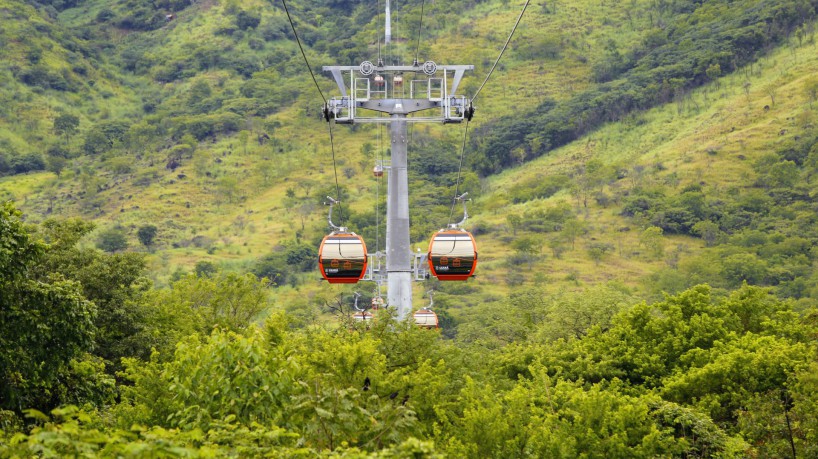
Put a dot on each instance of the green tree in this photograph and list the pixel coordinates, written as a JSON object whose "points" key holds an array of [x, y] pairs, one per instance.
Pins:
{"points": [[646, 343], [651, 239], [247, 20], [811, 89], [227, 300], [527, 248], [569, 314], [227, 187], [205, 268], [730, 374], [55, 164], [44, 325], [66, 125], [116, 284], [708, 231], [112, 240], [514, 221], [147, 234], [598, 250], [572, 229], [228, 375], [272, 267], [244, 139], [199, 91], [713, 72]]}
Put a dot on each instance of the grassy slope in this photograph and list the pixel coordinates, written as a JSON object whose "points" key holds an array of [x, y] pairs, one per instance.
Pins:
{"points": [[678, 136], [101, 94], [710, 139]]}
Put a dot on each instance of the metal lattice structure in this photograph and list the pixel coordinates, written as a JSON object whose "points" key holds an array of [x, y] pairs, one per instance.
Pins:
{"points": [[382, 89]]}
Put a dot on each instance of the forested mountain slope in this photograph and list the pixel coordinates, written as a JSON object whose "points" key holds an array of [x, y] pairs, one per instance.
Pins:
{"points": [[633, 166], [144, 119]]}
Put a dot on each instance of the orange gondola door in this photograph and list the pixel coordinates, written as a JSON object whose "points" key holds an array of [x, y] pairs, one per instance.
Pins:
{"points": [[452, 255], [342, 258]]}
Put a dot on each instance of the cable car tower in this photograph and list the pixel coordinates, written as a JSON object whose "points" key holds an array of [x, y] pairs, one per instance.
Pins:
{"points": [[379, 88]]}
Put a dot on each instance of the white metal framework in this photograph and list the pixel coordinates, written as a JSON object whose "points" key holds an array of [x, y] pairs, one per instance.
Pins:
{"points": [[382, 89]]}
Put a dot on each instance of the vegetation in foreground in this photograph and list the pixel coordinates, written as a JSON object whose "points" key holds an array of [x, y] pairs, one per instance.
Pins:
{"points": [[108, 366]]}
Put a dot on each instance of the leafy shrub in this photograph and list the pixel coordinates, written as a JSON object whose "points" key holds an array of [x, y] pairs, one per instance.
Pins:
{"points": [[112, 240], [274, 268], [276, 28], [28, 162], [146, 234], [538, 188], [246, 20], [202, 127], [105, 15], [142, 18], [45, 78]]}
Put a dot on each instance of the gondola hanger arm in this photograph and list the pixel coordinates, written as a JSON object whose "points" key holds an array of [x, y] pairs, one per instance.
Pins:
{"points": [[335, 228], [461, 198]]}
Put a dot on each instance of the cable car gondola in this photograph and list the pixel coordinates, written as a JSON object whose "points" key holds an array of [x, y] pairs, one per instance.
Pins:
{"points": [[342, 256], [362, 316], [453, 252], [426, 318]]}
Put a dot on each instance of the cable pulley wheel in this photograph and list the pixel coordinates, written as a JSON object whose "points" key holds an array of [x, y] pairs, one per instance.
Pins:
{"points": [[429, 67], [367, 68]]}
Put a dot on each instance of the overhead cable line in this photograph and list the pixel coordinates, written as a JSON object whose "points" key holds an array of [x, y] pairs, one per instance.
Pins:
{"points": [[396, 52], [466, 129], [502, 51], [314, 80], [383, 32], [303, 54], [459, 169], [335, 171], [420, 29], [379, 181]]}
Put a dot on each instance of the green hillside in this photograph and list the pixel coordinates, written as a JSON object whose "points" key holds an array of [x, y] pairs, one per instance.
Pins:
{"points": [[181, 150], [642, 176]]}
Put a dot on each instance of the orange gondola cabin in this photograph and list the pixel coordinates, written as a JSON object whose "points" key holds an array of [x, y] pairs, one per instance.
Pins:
{"points": [[452, 255], [426, 318], [342, 258], [363, 316]]}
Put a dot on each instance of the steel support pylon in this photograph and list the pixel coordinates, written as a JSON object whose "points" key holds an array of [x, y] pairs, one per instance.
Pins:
{"points": [[427, 87], [398, 250]]}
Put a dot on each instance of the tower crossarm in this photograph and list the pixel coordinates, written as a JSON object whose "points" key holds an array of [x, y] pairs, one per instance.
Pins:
{"points": [[382, 89]]}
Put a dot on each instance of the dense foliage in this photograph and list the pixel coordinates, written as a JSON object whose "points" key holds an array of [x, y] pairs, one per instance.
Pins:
{"points": [[589, 374]]}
